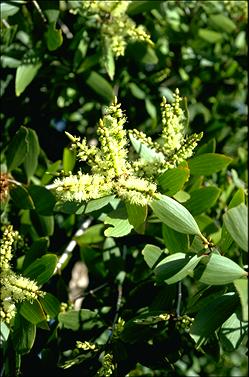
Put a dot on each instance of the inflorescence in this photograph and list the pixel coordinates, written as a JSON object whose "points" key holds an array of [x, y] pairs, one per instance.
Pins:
{"points": [[14, 288], [116, 27], [111, 171]]}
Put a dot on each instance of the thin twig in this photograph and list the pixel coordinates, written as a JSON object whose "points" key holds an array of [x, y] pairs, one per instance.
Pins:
{"points": [[92, 291], [37, 6], [179, 299], [70, 247], [5, 23]]}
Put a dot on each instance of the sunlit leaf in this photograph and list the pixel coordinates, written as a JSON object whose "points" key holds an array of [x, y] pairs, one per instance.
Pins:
{"points": [[24, 75], [17, 149], [42, 269], [208, 163], [236, 222], [174, 215]]}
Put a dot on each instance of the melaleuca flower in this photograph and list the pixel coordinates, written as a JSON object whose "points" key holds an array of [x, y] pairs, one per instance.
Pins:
{"points": [[135, 190], [111, 171], [14, 288], [117, 28], [86, 346], [82, 187], [172, 147], [108, 366], [8, 238], [21, 288]]}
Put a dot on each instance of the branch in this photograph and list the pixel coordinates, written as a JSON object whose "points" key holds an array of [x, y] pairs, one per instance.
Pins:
{"points": [[70, 247]]}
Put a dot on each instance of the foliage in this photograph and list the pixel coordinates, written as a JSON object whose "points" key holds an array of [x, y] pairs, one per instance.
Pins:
{"points": [[124, 253]]}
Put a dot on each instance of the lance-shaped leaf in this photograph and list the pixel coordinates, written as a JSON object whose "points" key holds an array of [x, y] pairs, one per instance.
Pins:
{"points": [[23, 335], [42, 269], [175, 215], [100, 85], [50, 304], [33, 312], [136, 215], [219, 270], [151, 255], [176, 267], [79, 319], [202, 199], [232, 332], [212, 316], [175, 241], [173, 180], [31, 159], [208, 163], [17, 149], [241, 286], [236, 222], [24, 75], [119, 222]]}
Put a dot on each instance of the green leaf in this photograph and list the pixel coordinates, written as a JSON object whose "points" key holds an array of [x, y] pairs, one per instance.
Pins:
{"points": [[100, 86], [151, 110], [238, 198], [202, 199], [174, 241], [52, 14], [226, 239], [208, 163], [173, 180], [210, 36], [23, 334], [109, 60], [50, 304], [89, 62], [241, 286], [21, 198], [212, 316], [232, 333], [43, 199], [32, 312], [236, 223], [17, 149], [120, 224], [44, 225], [92, 235], [223, 22], [205, 221], [136, 215], [50, 172], [78, 319], [53, 37], [137, 7], [37, 249], [151, 255], [31, 159], [136, 91], [70, 207], [94, 205], [174, 215], [145, 152], [42, 269], [176, 267], [68, 160], [7, 9], [4, 332], [25, 73], [219, 270]]}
